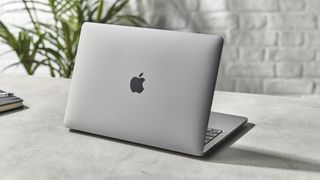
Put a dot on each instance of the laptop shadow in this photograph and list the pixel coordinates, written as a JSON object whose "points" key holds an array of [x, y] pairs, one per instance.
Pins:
{"points": [[14, 110], [226, 154]]}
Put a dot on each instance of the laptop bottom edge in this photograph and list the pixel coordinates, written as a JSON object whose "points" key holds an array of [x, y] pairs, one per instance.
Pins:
{"points": [[225, 122]]}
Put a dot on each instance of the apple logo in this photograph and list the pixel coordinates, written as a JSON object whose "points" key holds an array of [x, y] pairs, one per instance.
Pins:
{"points": [[136, 84]]}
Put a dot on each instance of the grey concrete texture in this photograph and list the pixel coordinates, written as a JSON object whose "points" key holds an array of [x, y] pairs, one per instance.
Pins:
{"points": [[281, 142]]}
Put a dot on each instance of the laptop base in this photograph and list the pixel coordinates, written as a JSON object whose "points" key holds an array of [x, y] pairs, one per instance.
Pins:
{"points": [[225, 122]]}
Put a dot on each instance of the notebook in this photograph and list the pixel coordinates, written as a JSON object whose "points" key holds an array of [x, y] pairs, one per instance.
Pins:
{"points": [[9, 102]]}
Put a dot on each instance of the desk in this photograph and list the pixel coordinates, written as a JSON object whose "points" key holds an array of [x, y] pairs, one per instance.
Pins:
{"points": [[34, 144]]}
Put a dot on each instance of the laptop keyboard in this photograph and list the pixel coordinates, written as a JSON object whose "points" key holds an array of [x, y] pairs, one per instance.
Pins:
{"points": [[211, 134]]}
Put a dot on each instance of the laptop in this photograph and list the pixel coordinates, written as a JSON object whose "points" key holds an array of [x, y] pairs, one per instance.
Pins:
{"points": [[148, 86]]}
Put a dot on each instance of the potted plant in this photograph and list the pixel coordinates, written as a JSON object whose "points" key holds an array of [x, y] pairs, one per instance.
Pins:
{"points": [[54, 45]]}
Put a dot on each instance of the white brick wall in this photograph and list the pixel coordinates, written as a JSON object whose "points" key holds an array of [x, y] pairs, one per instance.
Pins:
{"points": [[271, 46]]}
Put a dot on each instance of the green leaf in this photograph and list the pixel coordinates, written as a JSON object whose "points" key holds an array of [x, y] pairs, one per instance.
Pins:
{"points": [[56, 44], [135, 20], [11, 65], [114, 10], [99, 10]]}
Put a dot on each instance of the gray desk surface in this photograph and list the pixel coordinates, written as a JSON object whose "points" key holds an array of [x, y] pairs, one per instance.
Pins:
{"points": [[34, 144]]}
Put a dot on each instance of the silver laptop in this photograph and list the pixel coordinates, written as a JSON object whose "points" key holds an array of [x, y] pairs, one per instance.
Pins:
{"points": [[147, 86]]}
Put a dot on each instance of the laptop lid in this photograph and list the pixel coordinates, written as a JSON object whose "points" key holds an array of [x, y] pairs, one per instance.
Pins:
{"points": [[147, 86]]}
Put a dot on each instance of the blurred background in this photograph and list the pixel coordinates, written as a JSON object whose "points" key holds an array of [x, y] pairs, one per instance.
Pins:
{"points": [[271, 46]]}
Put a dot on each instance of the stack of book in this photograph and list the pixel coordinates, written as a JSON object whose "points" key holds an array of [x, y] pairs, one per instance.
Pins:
{"points": [[8, 101]]}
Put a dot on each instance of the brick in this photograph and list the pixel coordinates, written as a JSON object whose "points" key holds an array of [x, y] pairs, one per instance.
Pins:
{"points": [[291, 54], [249, 85], [288, 69], [229, 53], [250, 70], [288, 86], [216, 5], [197, 24], [317, 86], [311, 69], [215, 20], [132, 6], [223, 66], [219, 33], [253, 5], [291, 38], [313, 38], [170, 20], [252, 54], [225, 83], [292, 21], [157, 6], [167, 14], [253, 21], [292, 5], [313, 5], [190, 5], [252, 38]]}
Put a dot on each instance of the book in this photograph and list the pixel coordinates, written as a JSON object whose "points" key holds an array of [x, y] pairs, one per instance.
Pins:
{"points": [[9, 102]]}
